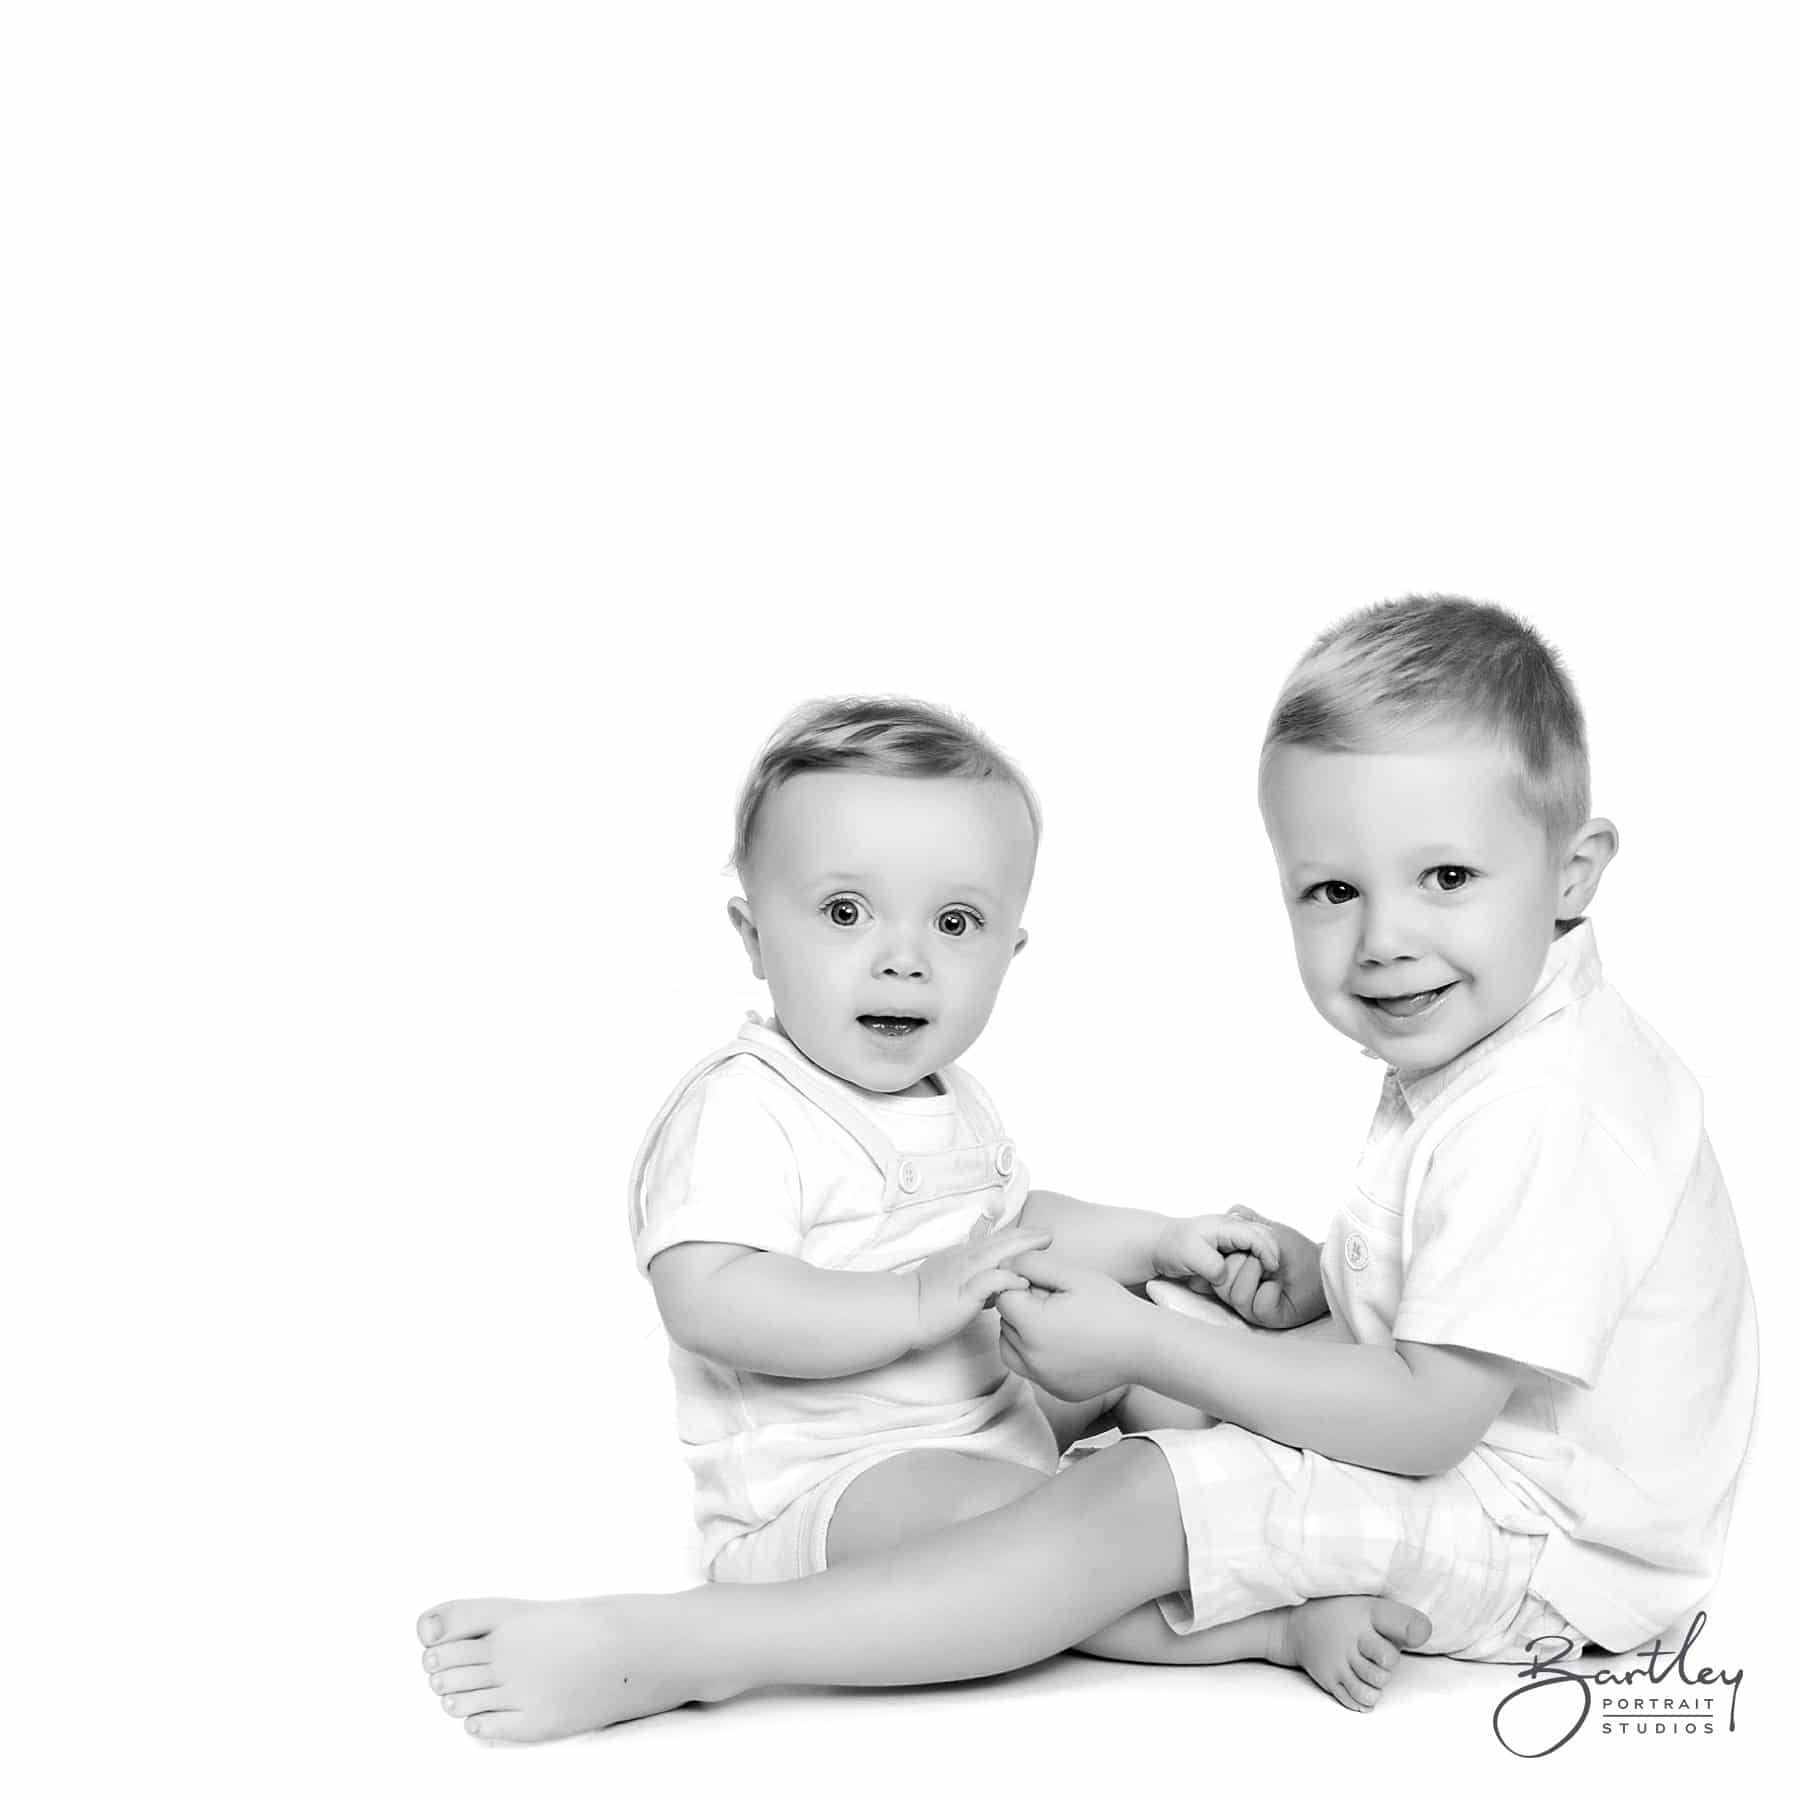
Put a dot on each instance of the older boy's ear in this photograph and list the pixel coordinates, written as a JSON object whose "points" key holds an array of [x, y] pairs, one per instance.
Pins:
{"points": [[1020, 942], [737, 909], [1591, 849]]}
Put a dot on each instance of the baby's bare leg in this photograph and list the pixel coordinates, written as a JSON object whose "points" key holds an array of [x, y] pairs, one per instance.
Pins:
{"points": [[916, 1492], [994, 1592]]}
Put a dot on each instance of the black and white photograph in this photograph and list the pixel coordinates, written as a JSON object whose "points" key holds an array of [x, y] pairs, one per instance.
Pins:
{"points": [[897, 896]]}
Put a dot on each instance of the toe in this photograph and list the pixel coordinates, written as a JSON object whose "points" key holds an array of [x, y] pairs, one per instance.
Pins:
{"points": [[1358, 1694], [458, 1653], [463, 1619], [1367, 1670], [480, 1700], [500, 1728], [1403, 1625], [465, 1681], [1378, 1650]]}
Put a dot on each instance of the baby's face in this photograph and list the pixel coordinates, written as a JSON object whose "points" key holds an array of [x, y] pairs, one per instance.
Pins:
{"points": [[1423, 898], [883, 912]]}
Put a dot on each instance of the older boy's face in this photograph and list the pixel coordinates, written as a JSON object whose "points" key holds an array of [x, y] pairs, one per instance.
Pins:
{"points": [[883, 912], [1423, 899]]}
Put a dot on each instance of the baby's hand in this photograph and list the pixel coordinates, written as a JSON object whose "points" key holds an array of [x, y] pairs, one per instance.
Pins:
{"points": [[1197, 1249], [1279, 1298], [954, 1285]]}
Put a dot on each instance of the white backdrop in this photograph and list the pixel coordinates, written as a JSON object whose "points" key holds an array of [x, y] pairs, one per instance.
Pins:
{"points": [[445, 439]]}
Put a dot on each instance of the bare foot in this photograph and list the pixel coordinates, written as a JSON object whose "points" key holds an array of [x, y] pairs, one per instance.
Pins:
{"points": [[1349, 1644], [522, 1671]]}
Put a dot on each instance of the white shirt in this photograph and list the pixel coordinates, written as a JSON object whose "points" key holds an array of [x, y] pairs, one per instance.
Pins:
{"points": [[1551, 1197], [758, 1146]]}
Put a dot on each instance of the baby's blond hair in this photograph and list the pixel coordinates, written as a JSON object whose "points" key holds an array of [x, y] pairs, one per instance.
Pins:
{"points": [[1380, 676], [881, 734]]}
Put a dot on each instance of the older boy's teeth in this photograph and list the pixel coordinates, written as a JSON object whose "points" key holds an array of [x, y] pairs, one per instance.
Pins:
{"points": [[1408, 1004]]}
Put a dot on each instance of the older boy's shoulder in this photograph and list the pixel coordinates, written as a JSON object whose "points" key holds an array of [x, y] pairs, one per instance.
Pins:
{"points": [[1598, 1058]]}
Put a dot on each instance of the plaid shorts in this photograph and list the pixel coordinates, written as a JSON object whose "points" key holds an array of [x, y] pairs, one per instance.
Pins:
{"points": [[1270, 1526]]}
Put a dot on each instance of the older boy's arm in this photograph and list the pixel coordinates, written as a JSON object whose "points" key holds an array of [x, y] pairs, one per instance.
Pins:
{"points": [[771, 1314], [1412, 1409]]}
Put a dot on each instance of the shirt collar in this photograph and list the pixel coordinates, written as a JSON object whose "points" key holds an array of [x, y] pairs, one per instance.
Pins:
{"points": [[1571, 969]]}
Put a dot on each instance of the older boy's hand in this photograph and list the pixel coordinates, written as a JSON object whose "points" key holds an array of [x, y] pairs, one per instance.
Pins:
{"points": [[954, 1285], [1073, 1331], [1197, 1249]]}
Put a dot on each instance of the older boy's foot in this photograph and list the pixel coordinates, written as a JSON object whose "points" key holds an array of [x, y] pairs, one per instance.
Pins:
{"points": [[1350, 1644], [522, 1671]]}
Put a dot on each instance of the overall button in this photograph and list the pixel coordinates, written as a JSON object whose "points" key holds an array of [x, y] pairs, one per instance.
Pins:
{"points": [[1356, 1251], [1006, 1159], [909, 1177]]}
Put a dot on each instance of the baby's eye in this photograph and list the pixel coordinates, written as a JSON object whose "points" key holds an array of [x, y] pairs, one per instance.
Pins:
{"points": [[845, 910], [1333, 893], [1450, 877], [958, 921]]}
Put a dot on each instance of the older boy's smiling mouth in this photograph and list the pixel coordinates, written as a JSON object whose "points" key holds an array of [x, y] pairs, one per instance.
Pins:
{"points": [[1406, 1006]]}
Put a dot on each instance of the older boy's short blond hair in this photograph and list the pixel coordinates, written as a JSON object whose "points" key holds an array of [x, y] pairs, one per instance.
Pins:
{"points": [[1380, 676], [880, 734]]}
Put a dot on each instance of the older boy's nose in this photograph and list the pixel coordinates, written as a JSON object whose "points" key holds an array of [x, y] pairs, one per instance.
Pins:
{"points": [[1386, 936]]}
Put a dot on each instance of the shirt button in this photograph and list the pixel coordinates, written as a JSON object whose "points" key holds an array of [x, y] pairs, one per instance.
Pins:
{"points": [[1006, 1159], [1356, 1251], [909, 1177]]}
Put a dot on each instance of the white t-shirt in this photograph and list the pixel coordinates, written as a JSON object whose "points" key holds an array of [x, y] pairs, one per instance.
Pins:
{"points": [[1551, 1197], [760, 1147]]}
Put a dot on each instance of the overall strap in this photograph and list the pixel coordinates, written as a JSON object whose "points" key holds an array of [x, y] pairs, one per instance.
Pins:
{"points": [[812, 1084]]}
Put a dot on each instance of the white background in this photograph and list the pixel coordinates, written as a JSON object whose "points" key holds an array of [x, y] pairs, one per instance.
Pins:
{"points": [[442, 441]]}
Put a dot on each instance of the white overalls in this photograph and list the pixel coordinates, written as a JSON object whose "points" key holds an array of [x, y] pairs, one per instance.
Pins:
{"points": [[757, 1145]]}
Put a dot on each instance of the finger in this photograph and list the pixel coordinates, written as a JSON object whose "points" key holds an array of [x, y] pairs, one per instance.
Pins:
{"points": [[1016, 1306], [1258, 1240], [1233, 1263], [1044, 1270], [1241, 1296], [1003, 1244], [987, 1285], [1245, 1212]]}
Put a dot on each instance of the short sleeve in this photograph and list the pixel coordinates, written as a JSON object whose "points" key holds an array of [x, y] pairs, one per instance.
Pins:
{"points": [[1529, 1233], [723, 1169]]}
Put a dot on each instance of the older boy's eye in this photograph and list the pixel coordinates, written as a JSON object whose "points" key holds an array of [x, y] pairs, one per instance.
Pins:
{"points": [[1333, 893], [958, 921], [1451, 876], [843, 911]]}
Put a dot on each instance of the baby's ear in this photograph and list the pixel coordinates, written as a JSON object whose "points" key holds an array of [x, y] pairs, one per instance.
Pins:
{"points": [[738, 911], [1590, 850]]}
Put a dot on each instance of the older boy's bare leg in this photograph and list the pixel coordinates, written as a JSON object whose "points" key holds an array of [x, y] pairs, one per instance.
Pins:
{"points": [[916, 1492], [1348, 1644], [992, 1593]]}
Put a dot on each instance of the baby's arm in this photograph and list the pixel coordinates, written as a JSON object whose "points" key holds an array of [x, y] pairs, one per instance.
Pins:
{"points": [[1131, 1246], [771, 1314]]}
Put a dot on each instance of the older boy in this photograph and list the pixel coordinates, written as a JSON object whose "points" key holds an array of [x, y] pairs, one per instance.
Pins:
{"points": [[1539, 1397]]}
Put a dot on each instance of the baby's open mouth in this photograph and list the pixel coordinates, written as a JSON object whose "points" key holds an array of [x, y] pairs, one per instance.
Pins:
{"points": [[890, 1024], [1406, 1006]]}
